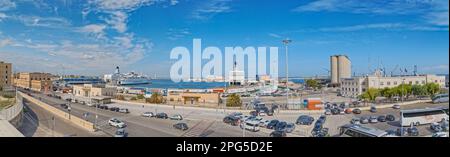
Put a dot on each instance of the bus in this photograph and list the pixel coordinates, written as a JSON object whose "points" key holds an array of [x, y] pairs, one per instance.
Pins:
{"points": [[423, 116], [441, 98], [353, 130]]}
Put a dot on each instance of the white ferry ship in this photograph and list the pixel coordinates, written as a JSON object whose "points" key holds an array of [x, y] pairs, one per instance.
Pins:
{"points": [[126, 79]]}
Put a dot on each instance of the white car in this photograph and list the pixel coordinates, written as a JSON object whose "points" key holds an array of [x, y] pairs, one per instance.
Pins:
{"points": [[148, 114], [176, 117], [251, 125], [116, 123], [264, 123], [90, 104], [396, 106], [440, 134]]}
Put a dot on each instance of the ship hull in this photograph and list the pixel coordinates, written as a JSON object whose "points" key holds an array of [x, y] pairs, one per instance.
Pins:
{"points": [[133, 82]]}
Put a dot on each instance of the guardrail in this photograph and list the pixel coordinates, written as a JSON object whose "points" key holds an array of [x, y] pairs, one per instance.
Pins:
{"points": [[13, 111]]}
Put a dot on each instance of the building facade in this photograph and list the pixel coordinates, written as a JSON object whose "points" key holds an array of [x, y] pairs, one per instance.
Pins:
{"points": [[353, 87], [40, 82], [188, 97], [5, 74], [90, 90], [340, 68]]}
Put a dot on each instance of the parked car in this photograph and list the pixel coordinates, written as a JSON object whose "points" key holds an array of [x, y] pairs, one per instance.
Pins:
{"points": [[413, 131], [396, 106], [348, 111], [264, 123], [317, 127], [322, 119], [335, 111], [232, 120], [390, 118], [124, 110], [281, 126], [120, 133], [373, 119], [382, 118], [444, 125], [278, 133], [341, 110], [440, 134], [112, 109], [148, 114], [357, 111], [327, 112], [304, 120], [290, 127], [364, 120], [90, 104], [253, 113], [176, 117], [436, 127], [235, 114], [162, 116], [181, 126], [116, 123], [355, 121], [402, 132], [373, 109], [272, 124]]}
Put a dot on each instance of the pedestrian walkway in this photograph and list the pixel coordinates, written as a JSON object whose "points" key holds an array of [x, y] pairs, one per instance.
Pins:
{"points": [[199, 129]]}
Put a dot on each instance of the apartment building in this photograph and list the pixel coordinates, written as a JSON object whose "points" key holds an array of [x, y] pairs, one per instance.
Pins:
{"points": [[5, 74], [40, 82]]}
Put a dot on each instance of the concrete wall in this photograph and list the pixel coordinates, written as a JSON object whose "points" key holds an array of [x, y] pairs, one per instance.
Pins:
{"points": [[75, 120]]}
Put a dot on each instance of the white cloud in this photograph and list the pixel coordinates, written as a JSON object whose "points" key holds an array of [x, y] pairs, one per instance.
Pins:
{"points": [[275, 35], [2, 16], [211, 8], [175, 34], [126, 5], [5, 42], [377, 26], [36, 21], [96, 30], [7, 5], [174, 2], [432, 11], [118, 21]]}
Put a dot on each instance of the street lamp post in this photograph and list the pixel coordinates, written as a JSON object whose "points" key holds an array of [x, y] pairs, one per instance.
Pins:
{"points": [[69, 108], [286, 42]]}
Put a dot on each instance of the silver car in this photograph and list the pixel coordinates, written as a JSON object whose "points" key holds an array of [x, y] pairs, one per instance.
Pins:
{"points": [[355, 121], [373, 119]]}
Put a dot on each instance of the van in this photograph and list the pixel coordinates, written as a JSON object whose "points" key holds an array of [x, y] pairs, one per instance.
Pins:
{"points": [[441, 98]]}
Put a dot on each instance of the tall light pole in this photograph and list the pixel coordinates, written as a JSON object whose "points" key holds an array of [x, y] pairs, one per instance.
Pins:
{"points": [[286, 43]]}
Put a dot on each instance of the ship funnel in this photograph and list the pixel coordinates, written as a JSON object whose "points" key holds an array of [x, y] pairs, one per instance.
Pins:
{"points": [[117, 70]]}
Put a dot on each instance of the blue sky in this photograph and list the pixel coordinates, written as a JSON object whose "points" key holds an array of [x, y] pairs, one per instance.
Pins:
{"points": [[91, 37]]}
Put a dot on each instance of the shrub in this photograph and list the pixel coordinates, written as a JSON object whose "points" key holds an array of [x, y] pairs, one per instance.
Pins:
{"points": [[234, 100]]}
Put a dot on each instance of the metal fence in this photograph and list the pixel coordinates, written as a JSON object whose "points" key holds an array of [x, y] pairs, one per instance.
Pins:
{"points": [[12, 112]]}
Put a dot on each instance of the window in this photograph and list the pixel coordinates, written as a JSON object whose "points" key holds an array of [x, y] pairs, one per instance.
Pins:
{"points": [[364, 90], [381, 83], [410, 82], [417, 82], [388, 83], [435, 81]]}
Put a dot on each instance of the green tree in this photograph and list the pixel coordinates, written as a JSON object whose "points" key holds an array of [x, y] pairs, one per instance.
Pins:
{"points": [[385, 92], [234, 100], [419, 90], [140, 96], [312, 83], [432, 88], [371, 94], [156, 98], [133, 99]]}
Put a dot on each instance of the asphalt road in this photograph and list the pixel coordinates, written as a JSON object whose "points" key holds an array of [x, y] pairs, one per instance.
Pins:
{"points": [[38, 122], [138, 126]]}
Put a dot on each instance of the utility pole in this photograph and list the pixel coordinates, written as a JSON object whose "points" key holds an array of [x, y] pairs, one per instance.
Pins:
{"points": [[286, 42]]}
